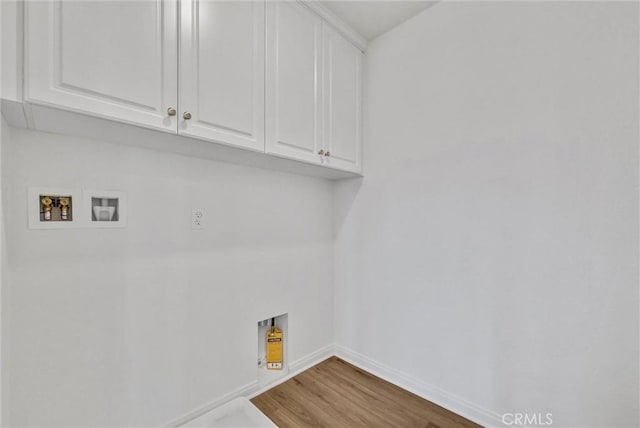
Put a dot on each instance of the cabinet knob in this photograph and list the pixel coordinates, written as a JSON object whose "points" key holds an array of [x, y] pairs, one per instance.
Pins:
{"points": [[327, 154], [186, 115], [171, 111], [321, 152]]}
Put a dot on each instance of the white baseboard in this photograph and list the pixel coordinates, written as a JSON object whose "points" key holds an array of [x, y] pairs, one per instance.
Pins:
{"points": [[297, 367], [312, 359], [431, 393], [252, 389], [240, 392]]}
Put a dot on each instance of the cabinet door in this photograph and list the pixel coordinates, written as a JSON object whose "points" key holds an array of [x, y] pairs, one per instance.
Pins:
{"points": [[111, 59], [342, 118], [294, 104], [222, 71]]}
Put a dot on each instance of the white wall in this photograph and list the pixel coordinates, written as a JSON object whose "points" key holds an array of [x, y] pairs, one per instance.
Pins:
{"points": [[3, 136], [4, 399], [137, 326], [491, 252]]}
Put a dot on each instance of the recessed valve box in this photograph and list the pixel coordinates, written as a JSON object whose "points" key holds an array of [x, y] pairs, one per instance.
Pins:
{"points": [[56, 207], [272, 348]]}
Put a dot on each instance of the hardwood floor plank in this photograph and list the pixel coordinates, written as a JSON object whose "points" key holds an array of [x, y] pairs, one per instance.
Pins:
{"points": [[373, 404], [336, 394]]}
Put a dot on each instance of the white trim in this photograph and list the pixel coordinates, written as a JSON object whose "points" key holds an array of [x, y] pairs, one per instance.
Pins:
{"points": [[253, 389], [429, 392], [310, 360], [240, 392], [14, 113], [332, 19], [28, 116], [297, 367]]}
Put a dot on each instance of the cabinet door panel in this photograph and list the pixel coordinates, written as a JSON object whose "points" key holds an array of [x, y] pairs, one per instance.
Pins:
{"points": [[294, 115], [116, 60], [222, 71], [342, 102]]}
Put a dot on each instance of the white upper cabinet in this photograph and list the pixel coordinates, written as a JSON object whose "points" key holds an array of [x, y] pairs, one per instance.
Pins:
{"points": [[111, 59], [294, 103], [222, 71], [313, 89], [265, 75], [342, 100]]}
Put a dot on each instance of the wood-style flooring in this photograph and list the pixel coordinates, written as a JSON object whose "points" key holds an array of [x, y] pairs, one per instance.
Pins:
{"points": [[336, 394]]}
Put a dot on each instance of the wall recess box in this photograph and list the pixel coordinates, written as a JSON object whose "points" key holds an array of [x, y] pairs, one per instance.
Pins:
{"points": [[64, 208], [54, 208], [266, 376], [104, 208]]}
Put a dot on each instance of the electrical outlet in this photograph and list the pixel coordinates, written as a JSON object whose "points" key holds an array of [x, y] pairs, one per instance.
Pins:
{"points": [[197, 219]]}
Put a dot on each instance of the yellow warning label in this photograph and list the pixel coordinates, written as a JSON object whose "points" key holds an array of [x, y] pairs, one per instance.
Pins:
{"points": [[274, 349]]}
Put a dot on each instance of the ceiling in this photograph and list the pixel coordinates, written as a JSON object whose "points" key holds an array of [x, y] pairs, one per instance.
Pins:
{"points": [[371, 18]]}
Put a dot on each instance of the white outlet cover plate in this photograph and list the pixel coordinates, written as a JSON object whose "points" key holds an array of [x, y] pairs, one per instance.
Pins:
{"points": [[198, 218]]}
